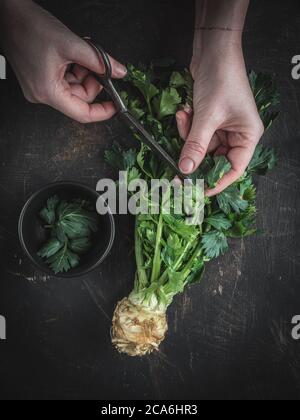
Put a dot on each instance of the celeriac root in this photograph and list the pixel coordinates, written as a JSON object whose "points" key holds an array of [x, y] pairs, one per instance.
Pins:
{"points": [[137, 331]]}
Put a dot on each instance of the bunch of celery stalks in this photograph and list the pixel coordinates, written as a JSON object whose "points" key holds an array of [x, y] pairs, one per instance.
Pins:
{"points": [[171, 254]]}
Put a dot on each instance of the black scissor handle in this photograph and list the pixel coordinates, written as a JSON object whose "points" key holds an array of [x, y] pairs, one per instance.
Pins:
{"points": [[104, 56], [105, 79]]}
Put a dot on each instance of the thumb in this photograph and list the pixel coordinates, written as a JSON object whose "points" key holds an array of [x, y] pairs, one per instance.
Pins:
{"points": [[196, 145], [86, 56]]}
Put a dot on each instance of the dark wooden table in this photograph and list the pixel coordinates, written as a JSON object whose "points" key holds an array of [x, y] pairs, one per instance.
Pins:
{"points": [[230, 337]]}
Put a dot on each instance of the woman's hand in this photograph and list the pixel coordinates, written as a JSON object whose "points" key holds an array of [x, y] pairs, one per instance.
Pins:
{"points": [[52, 64], [224, 119]]}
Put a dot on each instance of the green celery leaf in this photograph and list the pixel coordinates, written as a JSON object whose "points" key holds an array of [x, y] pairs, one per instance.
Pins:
{"points": [[214, 244], [76, 222], [50, 248], [177, 80], [80, 245], [265, 95], [125, 97], [58, 233], [48, 213], [142, 81], [243, 224], [219, 221], [136, 108], [129, 159], [263, 161], [63, 260], [231, 199], [175, 284], [179, 226], [221, 167], [172, 250], [155, 127], [144, 159], [167, 103], [133, 174], [197, 272]]}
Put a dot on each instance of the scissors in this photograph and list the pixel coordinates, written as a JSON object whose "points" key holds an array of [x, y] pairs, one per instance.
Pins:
{"points": [[106, 81]]}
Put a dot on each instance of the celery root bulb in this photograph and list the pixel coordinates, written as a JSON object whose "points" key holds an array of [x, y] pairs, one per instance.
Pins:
{"points": [[137, 331]]}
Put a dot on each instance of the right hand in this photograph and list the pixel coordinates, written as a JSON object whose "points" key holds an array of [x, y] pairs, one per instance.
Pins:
{"points": [[52, 64], [225, 120]]}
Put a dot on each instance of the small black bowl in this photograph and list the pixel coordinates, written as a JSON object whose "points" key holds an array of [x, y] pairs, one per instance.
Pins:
{"points": [[33, 235]]}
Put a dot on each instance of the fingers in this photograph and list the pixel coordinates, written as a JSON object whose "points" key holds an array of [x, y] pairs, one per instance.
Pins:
{"points": [[215, 145], [232, 176], [196, 145], [88, 90], [239, 158], [79, 73], [70, 78], [78, 109], [184, 123], [85, 55]]}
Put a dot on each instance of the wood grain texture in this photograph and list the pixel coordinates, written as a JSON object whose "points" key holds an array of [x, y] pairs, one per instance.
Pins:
{"points": [[229, 337]]}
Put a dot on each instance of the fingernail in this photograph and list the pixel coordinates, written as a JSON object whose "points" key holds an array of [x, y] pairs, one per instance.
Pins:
{"points": [[121, 70], [179, 119], [187, 165], [187, 109]]}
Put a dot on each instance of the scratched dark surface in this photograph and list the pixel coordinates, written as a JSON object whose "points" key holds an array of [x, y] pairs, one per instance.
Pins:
{"points": [[230, 337]]}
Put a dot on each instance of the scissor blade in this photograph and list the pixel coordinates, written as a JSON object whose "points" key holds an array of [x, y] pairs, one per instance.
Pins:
{"points": [[147, 139]]}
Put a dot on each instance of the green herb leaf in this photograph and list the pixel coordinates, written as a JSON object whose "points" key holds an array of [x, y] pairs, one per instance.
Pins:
{"points": [[263, 161], [129, 159], [197, 272], [48, 213], [142, 81], [133, 174], [63, 260], [219, 221], [50, 248], [80, 245], [231, 199], [214, 244], [180, 227], [172, 250], [177, 80], [221, 167], [76, 222], [136, 108], [72, 224], [243, 224], [265, 95], [167, 103]]}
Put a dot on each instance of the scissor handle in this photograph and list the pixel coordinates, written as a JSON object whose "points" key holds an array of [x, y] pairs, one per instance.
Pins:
{"points": [[105, 58], [105, 79]]}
